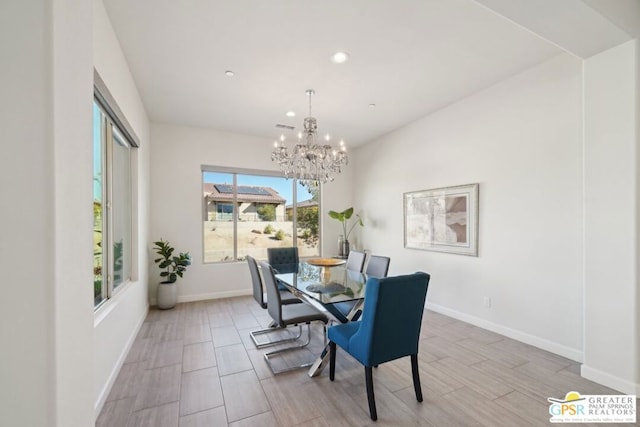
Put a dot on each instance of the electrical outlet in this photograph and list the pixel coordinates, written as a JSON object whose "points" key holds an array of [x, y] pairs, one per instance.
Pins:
{"points": [[487, 302]]}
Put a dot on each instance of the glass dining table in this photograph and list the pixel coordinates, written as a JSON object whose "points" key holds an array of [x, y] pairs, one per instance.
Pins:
{"points": [[324, 286]]}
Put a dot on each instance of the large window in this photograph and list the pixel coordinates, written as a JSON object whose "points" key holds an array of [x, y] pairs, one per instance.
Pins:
{"points": [[112, 206], [246, 212]]}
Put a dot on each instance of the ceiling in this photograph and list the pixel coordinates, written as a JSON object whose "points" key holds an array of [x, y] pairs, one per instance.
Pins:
{"points": [[408, 57]]}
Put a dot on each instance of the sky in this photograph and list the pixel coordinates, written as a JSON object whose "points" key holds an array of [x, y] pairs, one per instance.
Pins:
{"points": [[281, 185]]}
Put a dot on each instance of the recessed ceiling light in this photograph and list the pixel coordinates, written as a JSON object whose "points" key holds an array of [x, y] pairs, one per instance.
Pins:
{"points": [[339, 57], [372, 106], [229, 73], [291, 113]]}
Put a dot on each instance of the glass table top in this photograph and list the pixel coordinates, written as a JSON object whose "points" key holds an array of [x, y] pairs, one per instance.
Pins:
{"points": [[326, 284]]}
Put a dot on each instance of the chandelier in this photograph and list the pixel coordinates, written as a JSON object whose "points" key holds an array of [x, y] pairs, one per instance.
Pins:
{"points": [[311, 161]]}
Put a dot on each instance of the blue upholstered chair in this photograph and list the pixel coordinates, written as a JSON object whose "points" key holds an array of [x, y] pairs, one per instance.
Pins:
{"points": [[389, 330]]}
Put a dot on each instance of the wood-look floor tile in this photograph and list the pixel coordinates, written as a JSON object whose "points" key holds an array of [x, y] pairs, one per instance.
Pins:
{"points": [[518, 380], [338, 405], [477, 380], [127, 383], [196, 333], [550, 361], [159, 386], [284, 391], [259, 364], [200, 391], [441, 348], [217, 320], [198, 356], [196, 317], [167, 353], [469, 377], [240, 305], [116, 413], [391, 409], [534, 411], [395, 375], [266, 419], [163, 316], [483, 335], [225, 335], [232, 359], [243, 395], [162, 331], [491, 352], [209, 418], [563, 381], [486, 411], [158, 416], [434, 379], [434, 410], [142, 349], [316, 422], [244, 321]]}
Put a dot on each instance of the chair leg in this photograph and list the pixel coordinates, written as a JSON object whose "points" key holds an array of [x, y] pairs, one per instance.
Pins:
{"points": [[254, 335], [268, 356], [368, 373], [332, 360], [416, 377]]}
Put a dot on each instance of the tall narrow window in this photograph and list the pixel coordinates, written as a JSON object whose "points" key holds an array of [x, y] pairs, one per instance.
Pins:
{"points": [[247, 212], [112, 206]]}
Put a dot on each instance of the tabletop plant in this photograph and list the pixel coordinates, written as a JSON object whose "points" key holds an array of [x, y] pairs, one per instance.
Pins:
{"points": [[172, 266], [344, 218]]}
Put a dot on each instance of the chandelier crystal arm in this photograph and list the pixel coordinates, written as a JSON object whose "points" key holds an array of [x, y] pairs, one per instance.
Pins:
{"points": [[310, 163]]}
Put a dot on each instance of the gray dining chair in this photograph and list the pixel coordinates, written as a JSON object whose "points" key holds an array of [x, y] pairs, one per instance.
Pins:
{"points": [[355, 261], [341, 310], [378, 266], [283, 260], [288, 315], [260, 296]]}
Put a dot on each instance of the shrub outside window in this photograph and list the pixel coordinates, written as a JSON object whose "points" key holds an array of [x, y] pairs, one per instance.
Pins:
{"points": [[246, 212]]}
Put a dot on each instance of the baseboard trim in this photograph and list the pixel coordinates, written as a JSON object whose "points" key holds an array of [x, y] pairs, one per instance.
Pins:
{"points": [[214, 295], [104, 393], [611, 381], [568, 352]]}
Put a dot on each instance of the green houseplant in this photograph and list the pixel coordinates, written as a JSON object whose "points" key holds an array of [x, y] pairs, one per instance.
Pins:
{"points": [[172, 267], [344, 218]]}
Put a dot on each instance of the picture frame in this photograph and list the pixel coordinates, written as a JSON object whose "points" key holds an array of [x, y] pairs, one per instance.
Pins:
{"points": [[442, 219]]}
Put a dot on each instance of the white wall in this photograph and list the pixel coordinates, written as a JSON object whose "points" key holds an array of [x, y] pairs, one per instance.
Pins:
{"points": [[118, 322], [176, 202], [521, 141], [611, 309], [27, 394], [72, 251]]}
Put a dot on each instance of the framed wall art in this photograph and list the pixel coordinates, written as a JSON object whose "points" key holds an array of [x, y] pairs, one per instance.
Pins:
{"points": [[442, 219]]}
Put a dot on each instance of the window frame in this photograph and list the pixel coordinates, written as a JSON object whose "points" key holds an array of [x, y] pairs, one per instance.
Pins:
{"points": [[234, 172], [115, 129]]}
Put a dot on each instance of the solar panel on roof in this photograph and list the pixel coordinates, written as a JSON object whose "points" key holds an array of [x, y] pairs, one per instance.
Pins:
{"points": [[224, 188], [242, 189]]}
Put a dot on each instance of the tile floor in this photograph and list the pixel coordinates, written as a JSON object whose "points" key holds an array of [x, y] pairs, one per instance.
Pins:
{"points": [[196, 365]]}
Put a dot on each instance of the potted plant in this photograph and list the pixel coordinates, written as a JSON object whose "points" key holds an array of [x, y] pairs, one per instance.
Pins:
{"points": [[344, 218], [172, 267]]}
